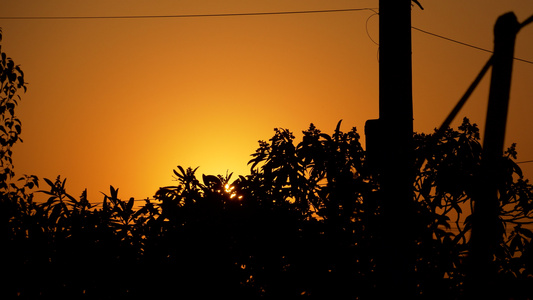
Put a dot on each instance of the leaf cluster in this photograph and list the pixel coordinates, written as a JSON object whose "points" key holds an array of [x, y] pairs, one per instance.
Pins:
{"points": [[11, 81]]}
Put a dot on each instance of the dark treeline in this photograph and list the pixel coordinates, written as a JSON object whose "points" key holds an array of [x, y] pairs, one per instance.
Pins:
{"points": [[302, 225]]}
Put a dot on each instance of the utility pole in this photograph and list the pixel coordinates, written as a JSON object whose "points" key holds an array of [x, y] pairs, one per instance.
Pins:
{"points": [[487, 229], [390, 138]]}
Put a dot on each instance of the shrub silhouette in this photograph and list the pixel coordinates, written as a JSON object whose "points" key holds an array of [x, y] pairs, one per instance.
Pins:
{"points": [[301, 225]]}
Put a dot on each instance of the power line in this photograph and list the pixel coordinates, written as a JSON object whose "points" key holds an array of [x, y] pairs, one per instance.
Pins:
{"points": [[366, 27], [452, 40], [466, 44], [247, 14], [189, 16]]}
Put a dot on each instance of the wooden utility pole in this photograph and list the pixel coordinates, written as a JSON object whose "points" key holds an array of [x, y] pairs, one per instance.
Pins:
{"points": [[395, 155], [487, 229]]}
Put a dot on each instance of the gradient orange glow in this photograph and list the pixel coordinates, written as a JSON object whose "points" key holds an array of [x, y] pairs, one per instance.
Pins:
{"points": [[123, 101]]}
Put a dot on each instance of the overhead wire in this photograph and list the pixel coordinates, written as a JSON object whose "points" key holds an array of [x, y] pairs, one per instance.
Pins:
{"points": [[452, 40], [466, 44], [368, 33], [188, 15], [366, 27], [252, 14]]}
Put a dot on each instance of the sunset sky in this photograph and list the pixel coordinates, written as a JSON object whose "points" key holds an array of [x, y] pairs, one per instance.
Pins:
{"points": [[122, 102]]}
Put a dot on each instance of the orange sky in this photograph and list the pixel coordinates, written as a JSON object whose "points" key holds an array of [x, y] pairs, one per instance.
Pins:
{"points": [[123, 101]]}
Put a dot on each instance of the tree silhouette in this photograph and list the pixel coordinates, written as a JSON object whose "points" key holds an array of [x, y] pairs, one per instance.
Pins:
{"points": [[16, 206], [11, 80], [302, 224]]}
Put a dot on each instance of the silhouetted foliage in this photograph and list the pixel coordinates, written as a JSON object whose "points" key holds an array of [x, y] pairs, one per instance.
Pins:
{"points": [[301, 225], [11, 80], [16, 200]]}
